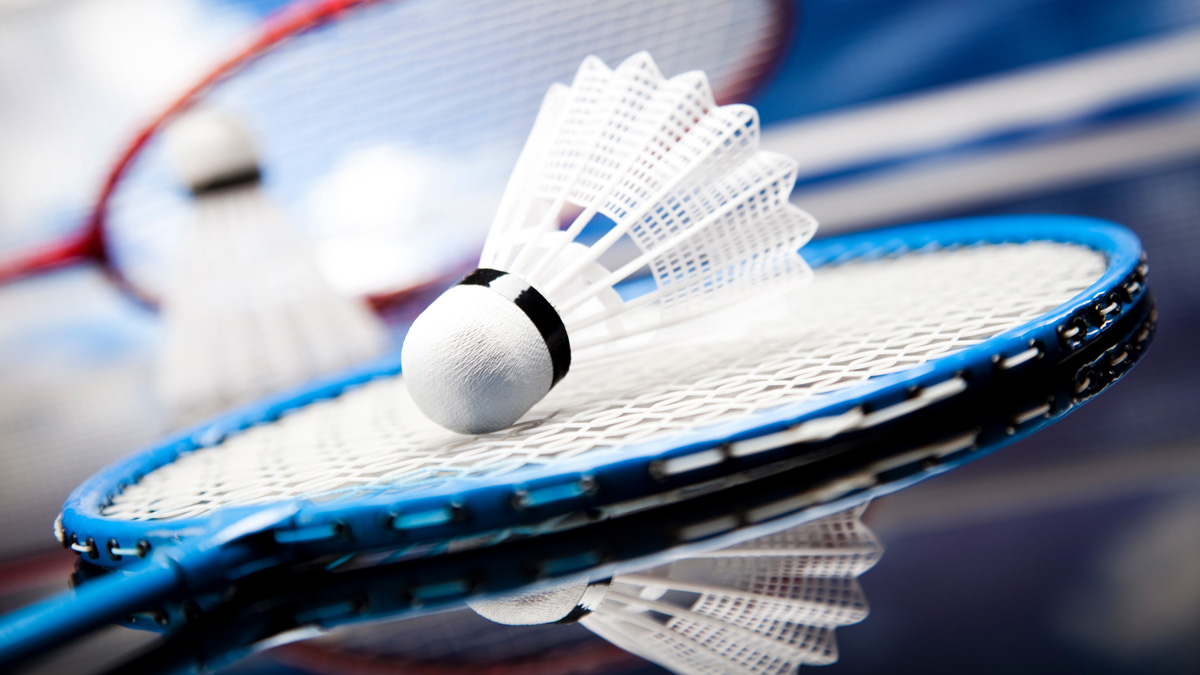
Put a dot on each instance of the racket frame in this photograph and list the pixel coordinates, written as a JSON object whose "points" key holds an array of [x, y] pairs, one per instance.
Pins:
{"points": [[283, 605], [533, 501], [187, 557]]}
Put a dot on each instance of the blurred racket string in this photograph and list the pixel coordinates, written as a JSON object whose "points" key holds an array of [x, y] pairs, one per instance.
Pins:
{"points": [[78, 75], [408, 88]]}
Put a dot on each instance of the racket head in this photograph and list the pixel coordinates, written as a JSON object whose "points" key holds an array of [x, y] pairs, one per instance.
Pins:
{"points": [[572, 489], [350, 101], [220, 627]]}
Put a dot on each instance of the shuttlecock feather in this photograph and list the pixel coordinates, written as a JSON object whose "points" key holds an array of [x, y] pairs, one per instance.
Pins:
{"points": [[766, 606], [663, 166], [247, 312]]}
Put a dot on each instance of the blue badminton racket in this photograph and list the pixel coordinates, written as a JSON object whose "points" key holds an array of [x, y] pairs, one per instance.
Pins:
{"points": [[896, 321], [216, 629]]}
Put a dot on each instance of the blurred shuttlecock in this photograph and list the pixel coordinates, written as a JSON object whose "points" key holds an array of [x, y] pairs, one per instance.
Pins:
{"points": [[647, 161], [766, 606], [247, 311]]}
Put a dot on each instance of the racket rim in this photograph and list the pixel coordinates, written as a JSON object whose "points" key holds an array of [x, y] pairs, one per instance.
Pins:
{"points": [[367, 514]]}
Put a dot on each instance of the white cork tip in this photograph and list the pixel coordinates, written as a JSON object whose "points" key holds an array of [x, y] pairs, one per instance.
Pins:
{"points": [[474, 362], [531, 608], [208, 146]]}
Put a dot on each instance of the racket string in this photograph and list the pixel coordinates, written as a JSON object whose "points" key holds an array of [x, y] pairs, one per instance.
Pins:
{"points": [[855, 322]]}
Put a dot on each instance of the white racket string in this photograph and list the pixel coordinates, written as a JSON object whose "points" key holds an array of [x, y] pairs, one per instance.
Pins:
{"points": [[857, 320]]}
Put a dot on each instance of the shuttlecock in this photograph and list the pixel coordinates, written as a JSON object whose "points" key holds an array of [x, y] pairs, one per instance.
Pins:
{"points": [[766, 606], [642, 159], [247, 312]]}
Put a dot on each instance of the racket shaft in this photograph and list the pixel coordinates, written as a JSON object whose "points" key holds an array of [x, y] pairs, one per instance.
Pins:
{"points": [[233, 541], [39, 628]]}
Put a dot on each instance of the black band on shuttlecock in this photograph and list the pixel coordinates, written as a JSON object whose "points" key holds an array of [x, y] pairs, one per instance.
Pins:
{"points": [[237, 179], [592, 596], [536, 307]]}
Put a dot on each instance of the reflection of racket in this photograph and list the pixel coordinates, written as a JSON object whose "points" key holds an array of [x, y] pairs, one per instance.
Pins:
{"points": [[896, 321], [1023, 396], [372, 116], [782, 594]]}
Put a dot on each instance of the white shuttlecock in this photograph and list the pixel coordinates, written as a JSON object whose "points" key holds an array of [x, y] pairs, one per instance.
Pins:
{"points": [[765, 607], [247, 312], [656, 163]]}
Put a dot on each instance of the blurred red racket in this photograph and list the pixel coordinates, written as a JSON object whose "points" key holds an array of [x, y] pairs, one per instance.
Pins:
{"points": [[387, 127]]}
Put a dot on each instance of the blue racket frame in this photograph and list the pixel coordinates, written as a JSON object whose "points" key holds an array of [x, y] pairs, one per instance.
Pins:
{"points": [[160, 561], [525, 498], [220, 627]]}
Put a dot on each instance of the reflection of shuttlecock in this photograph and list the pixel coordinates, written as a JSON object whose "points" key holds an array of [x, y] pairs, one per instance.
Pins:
{"points": [[247, 311], [624, 156], [765, 606]]}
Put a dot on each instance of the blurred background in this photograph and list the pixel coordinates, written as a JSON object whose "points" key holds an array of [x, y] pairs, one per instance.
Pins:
{"points": [[385, 133]]}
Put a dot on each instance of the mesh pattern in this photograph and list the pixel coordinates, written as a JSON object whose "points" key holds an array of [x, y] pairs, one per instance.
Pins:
{"points": [[820, 602], [721, 650], [750, 245], [390, 131], [680, 177], [745, 609], [857, 320]]}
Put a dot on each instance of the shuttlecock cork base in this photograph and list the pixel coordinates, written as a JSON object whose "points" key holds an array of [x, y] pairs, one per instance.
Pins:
{"points": [[484, 353], [212, 151]]}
